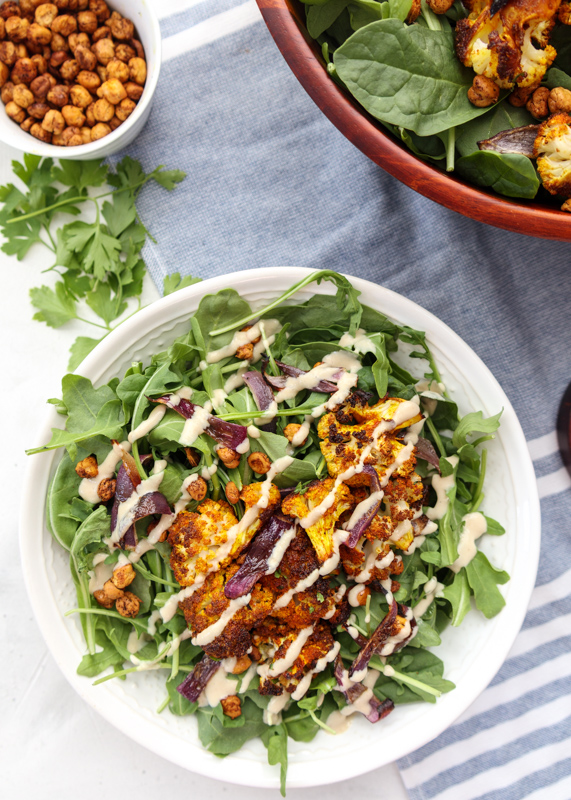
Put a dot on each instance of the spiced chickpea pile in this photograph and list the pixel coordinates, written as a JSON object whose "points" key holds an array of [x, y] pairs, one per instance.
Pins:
{"points": [[71, 71]]}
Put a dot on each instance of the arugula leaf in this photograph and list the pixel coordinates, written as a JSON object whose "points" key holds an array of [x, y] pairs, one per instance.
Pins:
{"points": [[108, 423], [475, 423], [483, 579], [92, 531], [458, 595], [275, 740]]}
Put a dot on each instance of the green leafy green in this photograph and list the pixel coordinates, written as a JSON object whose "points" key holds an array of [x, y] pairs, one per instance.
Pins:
{"points": [[510, 174]]}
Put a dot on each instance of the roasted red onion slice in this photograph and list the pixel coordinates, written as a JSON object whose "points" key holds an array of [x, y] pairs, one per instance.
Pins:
{"points": [[193, 685], [514, 140], [227, 434], [377, 640], [377, 709], [257, 557], [262, 394], [366, 518], [293, 372], [425, 450], [150, 503], [128, 479]]}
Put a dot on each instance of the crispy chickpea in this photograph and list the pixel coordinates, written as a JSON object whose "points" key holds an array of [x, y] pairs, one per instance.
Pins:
{"points": [[2, 29], [8, 53], [229, 458], [559, 100], [17, 28], [125, 109], [245, 351], [123, 576], [41, 85], [73, 116], [259, 462], [362, 596], [231, 706], [103, 110], [291, 430], [102, 72], [38, 35], [101, 33], [192, 456], [104, 51], [40, 63], [112, 90], [69, 69], [89, 117], [38, 111], [483, 92], [138, 70], [4, 73], [117, 69], [106, 489], [27, 124], [72, 137], [85, 58], [128, 605], [21, 51], [65, 25], [139, 49], [232, 492], [7, 92], [114, 123], [57, 59], [15, 112], [55, 123], [80, 97], [124, 52], [100, 9], [45, 14], [58, 95], [99, 595], [197, 489], [122, 29], [82, 5], [99, 131], [39, 133], [440, 6], [90, 80], [112, 591], [87, 21], [9, 9], [76, 39], [28, 8], [86, 135], [59, 42], [537, 105], [24, 71], [241, 665], [23, 96]]}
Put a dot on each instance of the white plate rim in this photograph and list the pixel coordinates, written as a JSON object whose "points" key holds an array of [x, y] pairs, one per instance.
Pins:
{"points": [[232, 769]]}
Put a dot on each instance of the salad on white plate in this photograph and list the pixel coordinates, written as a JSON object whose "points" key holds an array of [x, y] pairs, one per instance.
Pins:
{"points": [[278, 514]]}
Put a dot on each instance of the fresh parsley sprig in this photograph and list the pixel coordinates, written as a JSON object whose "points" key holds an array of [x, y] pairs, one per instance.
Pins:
{"points": [[99, 263]]}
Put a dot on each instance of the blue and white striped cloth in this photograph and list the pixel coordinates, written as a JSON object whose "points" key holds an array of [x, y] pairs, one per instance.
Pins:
{"points": [[272, 182]]}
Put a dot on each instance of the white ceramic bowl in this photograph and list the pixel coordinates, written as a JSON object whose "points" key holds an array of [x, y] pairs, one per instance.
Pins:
{"points": [[149, 33], [472, 653]]}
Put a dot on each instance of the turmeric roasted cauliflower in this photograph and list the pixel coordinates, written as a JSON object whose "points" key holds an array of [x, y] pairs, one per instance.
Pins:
{"points": [[511, 46], [552, 149]]}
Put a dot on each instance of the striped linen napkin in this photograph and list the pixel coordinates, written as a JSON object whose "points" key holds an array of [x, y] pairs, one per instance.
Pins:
{"points": [[271, 182]]}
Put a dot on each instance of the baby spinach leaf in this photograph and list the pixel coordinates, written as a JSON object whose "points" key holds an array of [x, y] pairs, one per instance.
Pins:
{"points": [[556, 77], [510, 174], [178, 704], [217, 310], [63, 488], [483, 579], [321, 17], [407, 75]]}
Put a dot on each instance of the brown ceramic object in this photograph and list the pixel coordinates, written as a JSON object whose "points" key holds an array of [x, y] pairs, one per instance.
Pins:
{"points": [[286, 22]]}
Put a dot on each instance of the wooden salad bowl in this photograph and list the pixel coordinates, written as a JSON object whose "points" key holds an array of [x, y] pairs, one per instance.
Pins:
{"points": [[285, 20]]}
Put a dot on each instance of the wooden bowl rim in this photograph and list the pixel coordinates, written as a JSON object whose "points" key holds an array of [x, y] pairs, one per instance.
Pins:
{"points": [[285, 23]]}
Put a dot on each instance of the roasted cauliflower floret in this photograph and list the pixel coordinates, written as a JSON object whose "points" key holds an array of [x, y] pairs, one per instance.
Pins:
{"points": [[321, 533], [208, 605], [511, 47], [552, 149], [564, 13]]}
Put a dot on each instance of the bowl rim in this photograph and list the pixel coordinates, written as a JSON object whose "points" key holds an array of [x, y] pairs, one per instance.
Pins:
{"points": [[112, 140], [502, 630], [284, 22]]}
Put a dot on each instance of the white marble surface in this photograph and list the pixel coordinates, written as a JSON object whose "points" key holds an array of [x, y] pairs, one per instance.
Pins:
{"points": [[50, 740]]}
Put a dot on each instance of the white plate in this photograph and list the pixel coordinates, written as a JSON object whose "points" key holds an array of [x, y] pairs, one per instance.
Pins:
{"points": [[472, 654]]}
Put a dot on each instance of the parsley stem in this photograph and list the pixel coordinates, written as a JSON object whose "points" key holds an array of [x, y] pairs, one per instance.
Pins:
{"points": [[97, 324], [81, 199]]}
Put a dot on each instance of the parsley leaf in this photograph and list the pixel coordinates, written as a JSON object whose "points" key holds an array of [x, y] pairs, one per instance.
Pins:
{"points": [[55, 307], [172, 283]]}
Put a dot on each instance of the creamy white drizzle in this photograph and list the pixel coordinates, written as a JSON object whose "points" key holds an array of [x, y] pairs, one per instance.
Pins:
{"points": [[432, 589], [272, 713], [360, 343], [475, 525], [208, 472], [219, 686], [304, 684], [281, 665], [89, 486], [391, 643], [148, 424], [125, 511], [195, 426], [240, 338], [234, 381], [371, 550], [100, 573], [279, 549], [254, 432], [442, 486]]}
